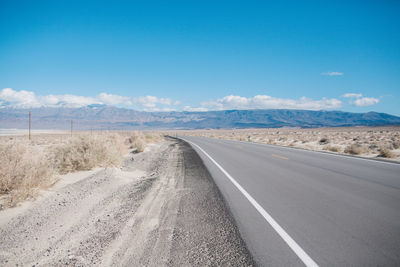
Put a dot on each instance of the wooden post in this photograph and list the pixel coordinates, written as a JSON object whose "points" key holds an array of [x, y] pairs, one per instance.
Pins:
{"points": [[72, 122], [29, 125]]}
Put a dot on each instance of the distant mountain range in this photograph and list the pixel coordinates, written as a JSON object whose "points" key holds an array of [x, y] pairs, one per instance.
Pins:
{"points": [[107, 117]]}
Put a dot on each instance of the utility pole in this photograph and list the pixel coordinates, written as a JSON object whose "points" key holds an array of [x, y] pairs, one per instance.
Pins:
{"points": [[72, 122], [29, 125]]}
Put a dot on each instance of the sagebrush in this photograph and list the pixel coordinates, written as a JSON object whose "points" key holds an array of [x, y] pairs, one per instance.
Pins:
{"points": [[139, 140], [86, 152], [26, 166], [23, 169]]}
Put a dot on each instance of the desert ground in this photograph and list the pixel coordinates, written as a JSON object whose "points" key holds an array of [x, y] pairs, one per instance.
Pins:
{"points": [[148, 202], [137, 198], [370, 142]]}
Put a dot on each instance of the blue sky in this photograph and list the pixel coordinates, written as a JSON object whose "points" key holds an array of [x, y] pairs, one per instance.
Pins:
{"points": [[201, 55]]}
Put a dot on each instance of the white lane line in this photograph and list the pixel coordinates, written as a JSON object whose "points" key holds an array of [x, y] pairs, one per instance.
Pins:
{"points": [[281, 232]]}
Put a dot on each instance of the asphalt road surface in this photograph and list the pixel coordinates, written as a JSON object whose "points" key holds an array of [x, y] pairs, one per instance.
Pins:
{"points": [[297, 207]]}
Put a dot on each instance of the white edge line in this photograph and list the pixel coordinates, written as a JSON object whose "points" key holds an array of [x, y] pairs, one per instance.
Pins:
{"points": [[281, 232]]}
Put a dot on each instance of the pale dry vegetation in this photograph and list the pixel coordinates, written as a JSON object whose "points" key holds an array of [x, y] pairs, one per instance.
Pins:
{"points": [[23, 169], [386, 153], [139, 140], [27, 166], [382, 142], [332, 148], [86, 152]]}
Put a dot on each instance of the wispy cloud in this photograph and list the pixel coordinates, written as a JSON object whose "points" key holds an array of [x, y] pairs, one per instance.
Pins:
{"points": [[332, 73], [357, 99], [195, 109], [352, 95], [269, 102]]}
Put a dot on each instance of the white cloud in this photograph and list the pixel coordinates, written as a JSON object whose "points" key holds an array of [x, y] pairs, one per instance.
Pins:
{"points": [[165, 109], [269, 102], [153, 103], [359, 101], [365, 101], [70, 101], [192, 109], [352, 95], [18, 99], [332, 73], [111, 99], [28, 99]]}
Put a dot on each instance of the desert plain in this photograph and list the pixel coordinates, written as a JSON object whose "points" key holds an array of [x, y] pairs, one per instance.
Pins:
{"points": [[369, 142]]}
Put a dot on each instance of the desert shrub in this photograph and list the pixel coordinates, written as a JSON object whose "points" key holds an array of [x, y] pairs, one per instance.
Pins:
{"points": [[323, 141], [373, 146], [353, 149], [24, 168], [332, 148], [137, 141], [386, 153], [153, 137], [86, 152], [396, 145]]}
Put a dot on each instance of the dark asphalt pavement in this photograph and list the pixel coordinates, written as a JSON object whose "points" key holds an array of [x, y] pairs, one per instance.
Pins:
{"points": [[341, 211]]}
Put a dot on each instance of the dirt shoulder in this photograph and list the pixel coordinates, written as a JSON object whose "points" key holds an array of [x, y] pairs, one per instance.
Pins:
{"points": [[161, 208]]}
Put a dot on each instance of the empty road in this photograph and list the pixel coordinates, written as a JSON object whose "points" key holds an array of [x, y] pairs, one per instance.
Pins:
{"points": [[295, 207]]}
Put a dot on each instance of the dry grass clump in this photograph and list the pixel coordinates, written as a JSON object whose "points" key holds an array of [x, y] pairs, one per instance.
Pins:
{"points": [[386, 153], [153, 137], [86, 152], [353, 149], [396, 144], [139, 140], [24, 169], [332, 148]]}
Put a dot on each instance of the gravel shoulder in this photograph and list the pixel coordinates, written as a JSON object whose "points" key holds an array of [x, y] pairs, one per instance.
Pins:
{"points": [[161, 208]]}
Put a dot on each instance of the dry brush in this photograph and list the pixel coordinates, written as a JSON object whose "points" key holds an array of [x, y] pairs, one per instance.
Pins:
{"points": [[26, 167]]}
